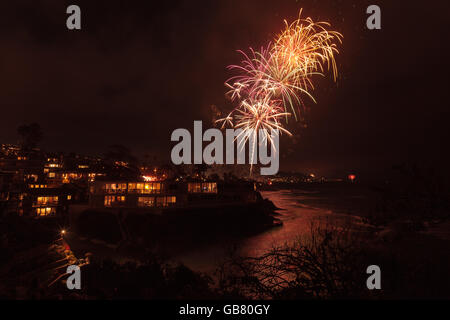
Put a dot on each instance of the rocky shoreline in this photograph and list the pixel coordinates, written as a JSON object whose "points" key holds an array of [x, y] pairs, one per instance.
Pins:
{"points": [[195, 225]]}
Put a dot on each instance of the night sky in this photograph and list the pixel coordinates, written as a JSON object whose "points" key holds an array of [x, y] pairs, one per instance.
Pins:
{"points": [[138, 70]]}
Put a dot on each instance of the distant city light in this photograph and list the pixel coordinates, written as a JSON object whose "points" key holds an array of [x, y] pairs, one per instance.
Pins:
{"points": [[149, 178]]}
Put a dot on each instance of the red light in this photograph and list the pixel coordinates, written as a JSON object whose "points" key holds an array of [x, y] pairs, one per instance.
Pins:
{"points": [[351, 177]]}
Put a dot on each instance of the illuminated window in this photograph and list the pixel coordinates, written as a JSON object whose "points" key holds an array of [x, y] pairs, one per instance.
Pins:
{"points": [[115, 187], [47, 200], [114, 200], [110, 188], [171, 200], [74, 176], [152, 187], [109, 200], [132, 187], [165, 201], [69, 197], [194, 187], [205, 187], [45, 211], [209, 187], [146, 202]]}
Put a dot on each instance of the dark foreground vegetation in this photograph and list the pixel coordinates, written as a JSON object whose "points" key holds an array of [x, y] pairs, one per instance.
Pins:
{"points": [[331, 265]]}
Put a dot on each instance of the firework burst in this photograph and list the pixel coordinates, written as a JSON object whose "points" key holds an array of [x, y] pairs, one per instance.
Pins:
{"points": [[284, 70], [254, 116], [261, 75], [305, 47], [270, 83], [265, 114]]}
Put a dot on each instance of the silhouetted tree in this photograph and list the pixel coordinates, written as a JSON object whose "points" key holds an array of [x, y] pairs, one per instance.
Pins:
{"points": [[328, 265], [122, 162], [31, 135], [120, 153]]}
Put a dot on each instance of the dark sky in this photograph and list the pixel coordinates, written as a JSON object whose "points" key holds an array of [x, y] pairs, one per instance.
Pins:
{"points": [[140, 69]]}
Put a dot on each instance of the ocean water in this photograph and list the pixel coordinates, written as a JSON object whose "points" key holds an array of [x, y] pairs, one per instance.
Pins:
{"points": [[301, 212]]}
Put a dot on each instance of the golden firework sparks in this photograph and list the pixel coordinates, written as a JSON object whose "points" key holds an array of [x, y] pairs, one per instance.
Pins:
{"points": [[273, 80]]}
